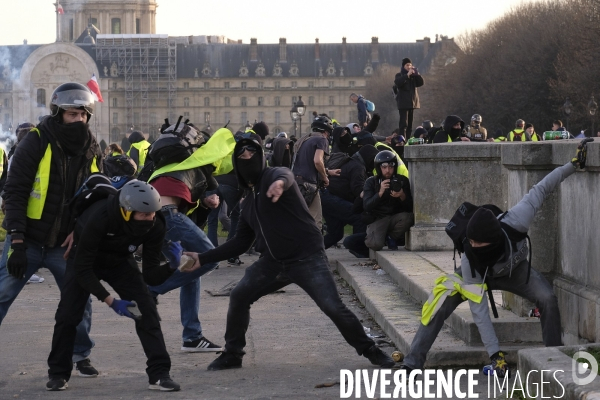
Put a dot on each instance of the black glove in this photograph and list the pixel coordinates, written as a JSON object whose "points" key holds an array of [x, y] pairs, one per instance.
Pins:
{"points": [[17, 260], [581, 156]]}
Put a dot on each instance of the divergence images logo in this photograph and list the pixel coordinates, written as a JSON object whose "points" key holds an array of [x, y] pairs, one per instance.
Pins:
{"points": [[584, 372]]}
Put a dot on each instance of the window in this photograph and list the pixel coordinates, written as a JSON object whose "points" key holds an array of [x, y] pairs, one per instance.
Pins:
{"points": [[186, 85], [352, 83], [244, 118], [261, 102], [311, 84], [331, 101], [137, 26], [93, 21], [6, 101], [261, 85], [207, 117], [244, 85], [206, 85], [227, 102], [115, 118], [243, 102], [330, 84], [186, 114], [152, 118], [331, 114], [71, 30], [277, 85], [352, 116], [186, 101], [207, 102], [311, 100], [226, 85], [261, 116], [116, 26], [277, 101], [114, 85], [115, 102], [277, 117], [294, 99], [41, 97], [226, 116], [115, 135], [294, 84]]}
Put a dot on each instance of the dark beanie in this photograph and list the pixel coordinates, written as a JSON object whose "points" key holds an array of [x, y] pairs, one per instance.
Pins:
{"points": [[135, 137], [484, 227], [261, 129], [527, 126], [406, 61], [419, 131]]}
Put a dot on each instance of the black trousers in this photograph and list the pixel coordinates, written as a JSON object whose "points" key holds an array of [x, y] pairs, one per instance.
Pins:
{"points": [[126, 279], [406, 122], [313, 276]]}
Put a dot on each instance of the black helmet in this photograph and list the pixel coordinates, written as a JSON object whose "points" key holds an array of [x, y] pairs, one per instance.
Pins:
{"points": [[175, 144], [384, 157], [139, 196], [476, 118], [72, 95], [322, 123], [427, 124]]}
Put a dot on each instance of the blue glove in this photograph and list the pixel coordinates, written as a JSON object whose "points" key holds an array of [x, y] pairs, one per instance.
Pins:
{"points": [[173, 253], [120, 307]]}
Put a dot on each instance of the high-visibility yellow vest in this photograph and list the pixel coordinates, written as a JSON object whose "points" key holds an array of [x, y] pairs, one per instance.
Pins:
{"points": [[1, 160], [511, 136], [39, 191], [401, 169], [142, 148]]}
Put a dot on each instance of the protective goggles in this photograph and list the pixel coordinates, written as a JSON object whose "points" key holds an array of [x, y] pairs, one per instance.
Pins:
{"points": [[250, 147], [387, 165]]}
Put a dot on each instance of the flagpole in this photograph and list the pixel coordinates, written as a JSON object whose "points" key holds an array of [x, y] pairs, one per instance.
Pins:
{"points": [[57, 21]]}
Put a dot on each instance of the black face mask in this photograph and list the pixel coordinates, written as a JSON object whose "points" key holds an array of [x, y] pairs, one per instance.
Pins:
{"points": [[137, 228], [488, 255], [250, 169], [455, 132], [346, 140], [73, 137]]}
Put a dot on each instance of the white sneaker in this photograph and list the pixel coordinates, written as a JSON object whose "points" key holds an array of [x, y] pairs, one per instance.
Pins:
{"points": [[35, 279]]}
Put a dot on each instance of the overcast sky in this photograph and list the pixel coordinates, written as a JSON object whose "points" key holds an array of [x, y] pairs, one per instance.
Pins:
{"points": [[268, 20]]}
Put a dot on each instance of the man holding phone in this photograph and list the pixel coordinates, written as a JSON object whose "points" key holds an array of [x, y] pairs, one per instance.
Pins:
{"points": [[407, 97]]}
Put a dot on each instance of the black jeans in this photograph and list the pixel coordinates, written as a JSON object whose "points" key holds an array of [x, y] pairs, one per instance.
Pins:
{"points": [[126, 279], [406, 121], [356, 245], [338, 213], [312, 274]]}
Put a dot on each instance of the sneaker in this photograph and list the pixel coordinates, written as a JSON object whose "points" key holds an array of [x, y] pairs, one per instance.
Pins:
{"points": [[499, 365], [378, 357], [235, 261], [226, 361], [200, 346], [56, 384], [165, 385], [35, 279], [85, 369]]}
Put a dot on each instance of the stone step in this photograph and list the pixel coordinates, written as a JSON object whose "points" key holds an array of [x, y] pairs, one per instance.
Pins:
{"points": [[415, 273], [398, 314]]}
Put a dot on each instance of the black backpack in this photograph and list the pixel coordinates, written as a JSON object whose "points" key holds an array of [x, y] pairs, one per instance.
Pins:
{"points": [[120, 165], [96, 187], [336, 160]]}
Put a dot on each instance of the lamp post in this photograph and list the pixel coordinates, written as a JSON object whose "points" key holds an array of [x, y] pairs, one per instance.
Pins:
{"points": [[567, 110], [301, 111], [294, 116], [592, 108]]}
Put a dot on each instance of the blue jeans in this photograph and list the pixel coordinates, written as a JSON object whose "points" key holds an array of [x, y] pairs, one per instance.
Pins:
{"points": [[181, 228], [229, 195], [338, 213], [51, 258]]}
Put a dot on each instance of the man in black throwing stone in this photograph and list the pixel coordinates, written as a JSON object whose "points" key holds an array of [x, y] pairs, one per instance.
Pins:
{"points": [[275, 214]]}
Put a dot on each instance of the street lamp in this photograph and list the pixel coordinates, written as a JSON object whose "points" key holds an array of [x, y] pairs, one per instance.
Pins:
{"points": [[592, 108], [567, 110], [301, 111], [294, 116]]}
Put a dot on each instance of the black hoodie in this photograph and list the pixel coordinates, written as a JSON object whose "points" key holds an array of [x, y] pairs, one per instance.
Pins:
{"points": [[447, 132], [284, 230]]}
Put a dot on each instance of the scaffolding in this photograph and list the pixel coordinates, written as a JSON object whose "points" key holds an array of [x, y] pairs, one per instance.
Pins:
{"points": [[148, 65]]}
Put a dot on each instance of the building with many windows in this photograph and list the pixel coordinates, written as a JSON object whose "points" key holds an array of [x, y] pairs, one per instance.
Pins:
{"points": [[146, 77]]}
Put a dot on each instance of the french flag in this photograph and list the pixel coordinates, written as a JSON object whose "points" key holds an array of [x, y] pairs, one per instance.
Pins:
{"points": [[59, 9], [95, 88]]}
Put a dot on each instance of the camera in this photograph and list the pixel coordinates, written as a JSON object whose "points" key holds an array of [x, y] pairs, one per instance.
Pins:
{"points": [[396, 184]]}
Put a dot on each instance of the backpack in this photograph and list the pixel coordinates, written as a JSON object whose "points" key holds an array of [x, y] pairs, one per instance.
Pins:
{"points": [[336, 160], [456, 229], [370, 105], [96, 187], [175, 143], [120, 165]]}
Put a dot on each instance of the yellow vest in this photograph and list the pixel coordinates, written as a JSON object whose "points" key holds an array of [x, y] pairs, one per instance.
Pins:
{"points": [[1, 160], [511, 136], [142, 148], [401, 170], [39, 191]]}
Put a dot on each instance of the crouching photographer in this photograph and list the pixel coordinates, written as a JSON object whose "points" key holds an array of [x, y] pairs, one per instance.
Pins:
{"points": [[388, 201]]}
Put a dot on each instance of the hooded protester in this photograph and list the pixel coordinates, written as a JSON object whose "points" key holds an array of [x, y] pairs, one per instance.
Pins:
{"points": [[48, 166], [451, 131], [342, 139], [276, 216], [139, 149], [283, 152], [338, 199]]}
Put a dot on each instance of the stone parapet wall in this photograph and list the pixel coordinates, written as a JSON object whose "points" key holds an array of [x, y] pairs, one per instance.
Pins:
{"points": [[565, 233]]}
